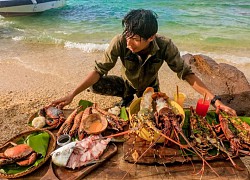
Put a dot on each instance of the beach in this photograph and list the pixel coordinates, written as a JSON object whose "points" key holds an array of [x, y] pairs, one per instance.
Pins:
{"points": [[51, 73], [36, 74]]}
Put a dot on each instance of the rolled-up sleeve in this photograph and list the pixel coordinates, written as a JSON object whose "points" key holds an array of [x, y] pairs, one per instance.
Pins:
{"points": [[110, 57], [175, 62]]}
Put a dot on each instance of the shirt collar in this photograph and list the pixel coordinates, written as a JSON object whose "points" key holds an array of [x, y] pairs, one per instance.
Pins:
{"points": [[155, 47]]}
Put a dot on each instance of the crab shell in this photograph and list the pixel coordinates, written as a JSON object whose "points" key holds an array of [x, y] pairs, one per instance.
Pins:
{"points": [[54, 112], [18, 152]]}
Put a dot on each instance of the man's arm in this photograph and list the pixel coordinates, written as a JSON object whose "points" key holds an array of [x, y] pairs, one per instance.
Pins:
{"points": [[198, 85], [88, 81]]}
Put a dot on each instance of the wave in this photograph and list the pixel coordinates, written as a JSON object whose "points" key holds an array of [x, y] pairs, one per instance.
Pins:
{"points": [[227, 58], [240, 60], [224, 58], [46, 39], [92, 47], [86, 47]]}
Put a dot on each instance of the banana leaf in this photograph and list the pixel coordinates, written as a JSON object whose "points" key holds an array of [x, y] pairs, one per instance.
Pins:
{"points": [[84, 104], [123, 114], [38, 142], [246, 119]]}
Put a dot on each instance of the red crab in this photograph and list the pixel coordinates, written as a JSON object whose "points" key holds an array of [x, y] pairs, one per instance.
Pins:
{"points": [[53, 115], [21, 154]]}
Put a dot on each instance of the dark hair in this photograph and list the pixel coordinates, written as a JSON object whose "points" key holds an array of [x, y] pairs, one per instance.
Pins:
{"points": [[140, 22]]}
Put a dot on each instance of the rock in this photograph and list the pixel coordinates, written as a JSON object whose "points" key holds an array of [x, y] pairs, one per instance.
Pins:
{"points": [[224, 80]]}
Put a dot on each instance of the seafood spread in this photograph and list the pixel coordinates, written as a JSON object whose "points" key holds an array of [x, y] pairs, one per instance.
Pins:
{"points": [[80, 153], [157, 122]]}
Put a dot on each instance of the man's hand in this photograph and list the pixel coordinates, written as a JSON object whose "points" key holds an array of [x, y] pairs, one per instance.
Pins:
{"points": [[225, 108], [89, 80], [63, 101]]}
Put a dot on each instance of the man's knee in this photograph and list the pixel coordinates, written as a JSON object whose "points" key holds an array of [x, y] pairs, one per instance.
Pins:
{"points": [[108, 85]]}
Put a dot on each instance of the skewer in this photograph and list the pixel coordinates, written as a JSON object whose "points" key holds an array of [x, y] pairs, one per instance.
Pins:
{"points": [[205, 95], [177, 91]]}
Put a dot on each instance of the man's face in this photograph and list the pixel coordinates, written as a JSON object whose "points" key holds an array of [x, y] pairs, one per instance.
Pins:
{"points": [[136, 43]]}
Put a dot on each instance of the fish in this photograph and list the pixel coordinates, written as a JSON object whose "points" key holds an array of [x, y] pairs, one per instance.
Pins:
{"points": [[87, 150], [61, 156]]}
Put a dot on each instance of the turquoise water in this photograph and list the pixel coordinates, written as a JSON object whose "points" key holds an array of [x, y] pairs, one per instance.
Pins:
{"points": [[198, 26]]}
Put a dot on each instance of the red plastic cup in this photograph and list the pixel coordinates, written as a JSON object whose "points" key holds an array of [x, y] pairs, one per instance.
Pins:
{"points": [[202, 107]]}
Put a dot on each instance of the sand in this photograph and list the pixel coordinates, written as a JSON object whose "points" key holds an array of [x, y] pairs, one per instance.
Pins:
{"points": [[33, 75]]}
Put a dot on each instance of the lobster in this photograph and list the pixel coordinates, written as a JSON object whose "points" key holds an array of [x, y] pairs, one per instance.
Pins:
{"points": [[205, 138], [236, 131]]}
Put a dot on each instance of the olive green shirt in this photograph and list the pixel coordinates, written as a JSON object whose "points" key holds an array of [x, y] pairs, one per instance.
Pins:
{"points": [[142, 73]]}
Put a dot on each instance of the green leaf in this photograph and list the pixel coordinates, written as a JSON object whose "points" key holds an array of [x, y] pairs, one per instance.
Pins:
{"points": [[123, 113], [85, 104], [246, 119], [212, 117], [187, 117], [39, 142]]}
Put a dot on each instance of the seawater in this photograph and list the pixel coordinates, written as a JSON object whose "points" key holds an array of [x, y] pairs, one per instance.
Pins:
{"points": [[220, 29]]}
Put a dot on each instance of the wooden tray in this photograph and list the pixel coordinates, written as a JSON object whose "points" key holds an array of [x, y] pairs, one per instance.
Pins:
{"points": [[66, 113], [158, 154], [70, 174], [51, 148]]}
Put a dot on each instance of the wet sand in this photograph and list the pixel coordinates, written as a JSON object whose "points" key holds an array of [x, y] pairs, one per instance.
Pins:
{"points": [[33, 75]]}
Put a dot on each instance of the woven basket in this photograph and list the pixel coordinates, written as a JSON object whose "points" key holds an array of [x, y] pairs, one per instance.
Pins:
{"points": [[51, 148]]}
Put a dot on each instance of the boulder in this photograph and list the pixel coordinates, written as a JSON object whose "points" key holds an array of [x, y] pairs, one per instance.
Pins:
{"points": [[224, 80]]}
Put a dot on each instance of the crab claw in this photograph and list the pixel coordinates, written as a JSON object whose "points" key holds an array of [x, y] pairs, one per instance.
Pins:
{"points": [[28, 160]]}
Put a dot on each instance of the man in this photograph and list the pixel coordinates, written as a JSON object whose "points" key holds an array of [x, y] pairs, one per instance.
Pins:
{"points": [[142, 53]]}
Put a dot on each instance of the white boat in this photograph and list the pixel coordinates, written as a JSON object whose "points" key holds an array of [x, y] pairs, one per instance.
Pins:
{"points": [[25, 7]]}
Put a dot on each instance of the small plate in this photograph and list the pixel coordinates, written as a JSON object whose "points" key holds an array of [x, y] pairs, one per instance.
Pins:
{"points": [[63, 139], [23, 135]]}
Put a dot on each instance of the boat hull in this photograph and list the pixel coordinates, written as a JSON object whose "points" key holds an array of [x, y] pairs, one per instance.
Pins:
{"points": [[10, 8]]}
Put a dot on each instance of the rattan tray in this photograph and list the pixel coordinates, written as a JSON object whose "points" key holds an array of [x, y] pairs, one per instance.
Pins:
{"points": [[51, 147]]}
